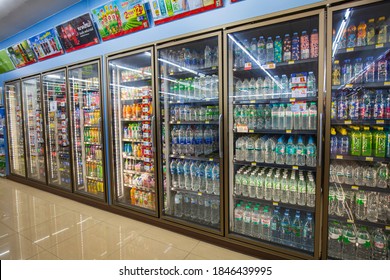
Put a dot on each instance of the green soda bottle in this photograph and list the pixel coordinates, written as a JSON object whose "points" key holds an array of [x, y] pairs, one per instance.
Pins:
{"points": [[356, 141], [366, 142], [379, 142]]}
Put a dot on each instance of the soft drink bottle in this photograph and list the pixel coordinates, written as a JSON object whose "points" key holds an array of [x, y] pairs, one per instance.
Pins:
{"points": [[366, 137], [351, 36], [371, 39], [356, 142], [382, 30], [261, 50], [278, 49], [305, 45], [358, 70], [314, 43], [382, 69], [295, 47], [347, 72], [286, 48]]}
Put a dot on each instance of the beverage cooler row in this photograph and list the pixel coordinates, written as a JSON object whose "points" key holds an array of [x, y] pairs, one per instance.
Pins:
{"points": [[229, 133]]}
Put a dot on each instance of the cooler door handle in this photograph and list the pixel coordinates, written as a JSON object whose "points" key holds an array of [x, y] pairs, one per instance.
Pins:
{"points": [[319, 151], [152, 134], [220, 136]]}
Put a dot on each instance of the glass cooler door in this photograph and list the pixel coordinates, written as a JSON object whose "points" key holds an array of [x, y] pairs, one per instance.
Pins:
{"points": [[132, 126], [190, 123], [57, 129], [274, 122], [34, 129], [358, 135], [15, 128], [87, 133]]}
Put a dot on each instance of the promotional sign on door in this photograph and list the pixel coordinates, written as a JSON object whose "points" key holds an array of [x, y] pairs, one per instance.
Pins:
{"points": [[46, 45], [21, 54], [118, 18], [6, 64], [78, 33]]}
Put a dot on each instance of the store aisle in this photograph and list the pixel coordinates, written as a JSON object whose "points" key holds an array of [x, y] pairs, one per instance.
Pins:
{"points": [[39, 225]]}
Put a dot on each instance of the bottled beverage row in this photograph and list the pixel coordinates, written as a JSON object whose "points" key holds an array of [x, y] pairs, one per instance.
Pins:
{"points": [[197, 208], [94, 186], [137, 111], [282, 226], [350, 242], [359, 71], [136, 131], [191, 59], [273, 149], [352, 140], [194, 139], [196, 176], [136, 74], [279, 185], [91, 117], [91, 99], [276, 116], [360, 174], [140, 181], [364, 34], [137, 166], [194, 113], [197, 88], [276, 87], [92, 135], [361, 104], [134, 93], [143, 198], [360, 205], [137, 150], [289, 48], [93, 153], [94, 169]]}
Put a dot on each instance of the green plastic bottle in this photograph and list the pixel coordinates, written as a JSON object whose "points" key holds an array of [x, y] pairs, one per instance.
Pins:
{"points": [[356, 141], [366, 142], [379, 142]]}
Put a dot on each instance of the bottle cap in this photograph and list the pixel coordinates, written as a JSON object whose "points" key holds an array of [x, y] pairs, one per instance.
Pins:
{"points": [[287, 35], [315, 30]]}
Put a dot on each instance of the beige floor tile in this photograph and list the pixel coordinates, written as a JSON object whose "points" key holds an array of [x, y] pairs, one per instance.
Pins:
{"points": [[59, 229], [44, 255], [211, 252], [17, 247], [144, 248], [5, 231], [168, 237], [192, 256]]}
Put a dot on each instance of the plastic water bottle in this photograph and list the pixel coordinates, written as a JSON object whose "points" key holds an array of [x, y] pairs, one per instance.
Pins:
{"points": [[301, 199], [207, 56], [245, 184], [372, 207], [198, 140], [180, 174], [280, 152], [201, 178], [267, 88], [207, 210], [256, 223], [259, 149], [238, 183], [194, 207], [364, 248], [175, 140], [247, 221], [293, 190], [311, 193], [285, 226], [187, 205], [261, 50], [250, 150], [285, 90], [269, 150], [379, 249], [349, 243], [311, 85], [174, 178], [311, 153], [304, 118], [187, 175], [240, 149], [297, 119], [182, 141], [266, 224], [269, 50], [276, 191], [296, 234], [276, 87], [284, 189], [312, 116], [194, 173], [275, 226], [288, 121], [275, 116], [252, 185], [216, 179], [208, 141], [209, 178], [215, 211], [360, 206], [300, 152], [282, 117], [290, 152], [308, 234], [268, 187], [178, 210], [334, 240], [201, 208], [259, 88], [260, 184], [190, 141], [238, 218]]}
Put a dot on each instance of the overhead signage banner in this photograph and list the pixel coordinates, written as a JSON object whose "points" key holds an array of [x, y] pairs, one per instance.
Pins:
{"points": [[167, 10], [21, 54], [78, 33], [46, 45], [118, 18], [6, 64]]}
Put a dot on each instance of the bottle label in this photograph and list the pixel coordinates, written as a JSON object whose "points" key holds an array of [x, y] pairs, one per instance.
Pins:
{"points": [[379, 245], [255, 220], [334, 236], [362, 241], [265, 222], [247, 219]]}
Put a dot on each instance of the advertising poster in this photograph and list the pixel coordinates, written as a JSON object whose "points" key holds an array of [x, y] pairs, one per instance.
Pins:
{"points": [[118, 18], [167, 10], [6, 64], [78, 33], [46, 45], [21, 54]]}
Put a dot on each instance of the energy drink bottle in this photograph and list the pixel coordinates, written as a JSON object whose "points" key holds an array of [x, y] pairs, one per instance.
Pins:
{"points": [[361, 34], [356, 142], [314, 43], [382, 31], [371, 32], [295, 47], [382, 69], [366, 142], [287, 48], [369, 75], [336, 73], [351, 36], [278, 49], [379, 142]]}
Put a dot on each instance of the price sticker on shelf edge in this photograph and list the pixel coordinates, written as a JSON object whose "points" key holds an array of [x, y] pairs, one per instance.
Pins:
{"points": [[350, 221], [248, 66], [211, 159], [295, 167], [288, 131], [348, 122], [386, 83], [380, 121], [253, 163], [291, 62], [251, 131], [275, 203], [242, 128], [369, 159], [356, 188], [252, 101], [387, 228], [377, 46], [350, 49], [200, 194], [339, 157]]}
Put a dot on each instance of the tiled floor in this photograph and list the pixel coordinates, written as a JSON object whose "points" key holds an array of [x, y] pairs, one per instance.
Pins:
{"points": [[38, 225]]}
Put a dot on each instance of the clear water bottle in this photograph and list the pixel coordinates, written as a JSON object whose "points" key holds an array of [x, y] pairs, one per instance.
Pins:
{"points": [[209, 178], [256, 223], [187, 175], [266, 224], [180, 174], [290, 152], [199, 141], [174, 178], [285, 228], [267, 116], [250, 149], [245, 184], [372, 207], [201, 177], [238, 183], [216, 179], [312, 116], [296, 228], [267, 88], [259, 149], [247, 218], [335, 240], [288, 121], [349, 243], [275, 226], [200, 208], [268, 187], [360, 206], [301, 199], [379, 249], [308, 234], [284, 187], [285, 90], [175, 140], [276, 190], [304, 118], [207, 56], [269, 150], [207, 210], [240, 149], [311, 153], [311, 85], [260, 184], [280, 151], [297, 119], [238, 218], [311, 193], [252, 185], [261, 50], [194, 207], [293, 190], [300, 152], [178, 209], [282, 117], [364, 248], [259, 88], [194, 173], [340, 199], [187, 205], [270, 50], [275, 116], [215, 212]]}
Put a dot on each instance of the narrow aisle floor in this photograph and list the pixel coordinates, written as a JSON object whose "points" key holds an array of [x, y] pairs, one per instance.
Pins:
{"points": [[39, 225]]}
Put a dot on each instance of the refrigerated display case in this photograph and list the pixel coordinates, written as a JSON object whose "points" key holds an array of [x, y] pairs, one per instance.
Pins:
{"points": [[34, 129], [58, 151], [2, 140], [87, 129], [190, 131], [15, 128], [357, 212], [274, 105], [132, 126]]}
